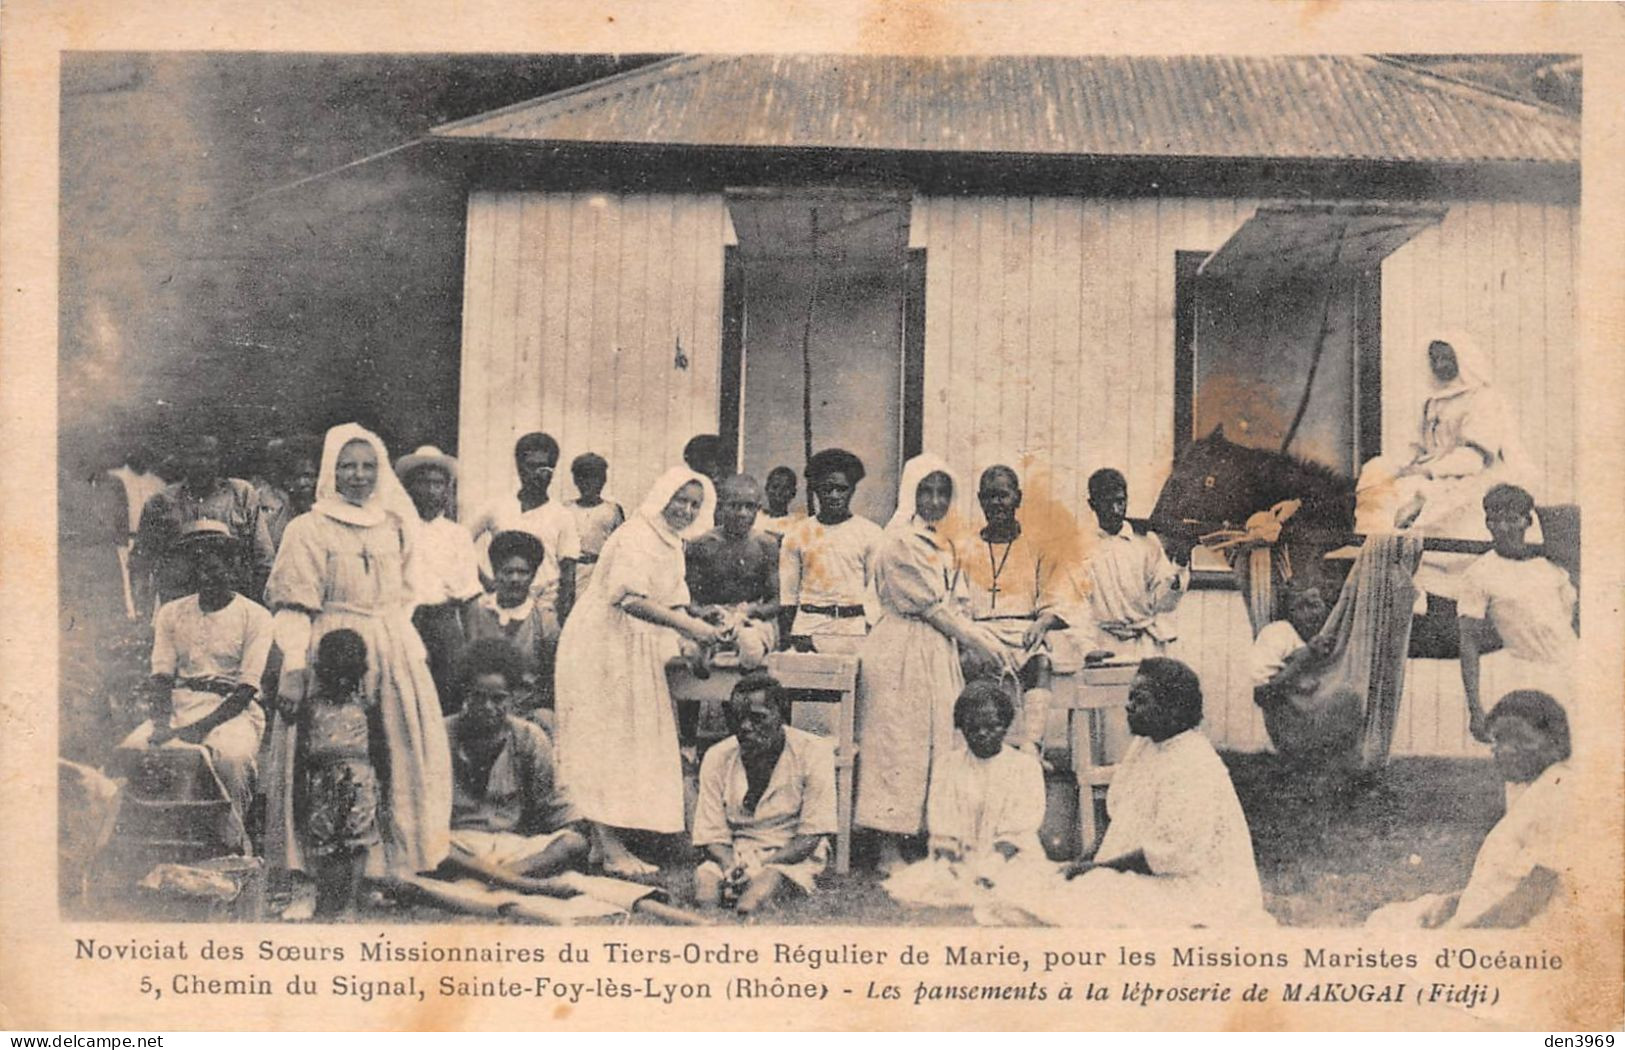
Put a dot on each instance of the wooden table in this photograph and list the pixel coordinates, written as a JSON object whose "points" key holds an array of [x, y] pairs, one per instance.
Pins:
{"points": [[1089, 697], [819, 678]]}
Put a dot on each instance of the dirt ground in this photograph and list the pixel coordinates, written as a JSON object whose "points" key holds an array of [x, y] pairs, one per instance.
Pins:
{"points": [[1330, 851]]}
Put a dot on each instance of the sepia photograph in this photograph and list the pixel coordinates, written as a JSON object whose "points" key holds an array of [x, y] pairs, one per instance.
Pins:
{"points": [[756, 491]]}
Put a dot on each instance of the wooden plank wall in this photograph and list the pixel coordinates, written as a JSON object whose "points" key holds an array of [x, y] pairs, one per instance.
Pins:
{"points": [[1049, 345], [574, 306]]}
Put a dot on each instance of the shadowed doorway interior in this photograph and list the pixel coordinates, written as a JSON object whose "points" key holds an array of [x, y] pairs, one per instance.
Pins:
{"points": [[814, 332]]}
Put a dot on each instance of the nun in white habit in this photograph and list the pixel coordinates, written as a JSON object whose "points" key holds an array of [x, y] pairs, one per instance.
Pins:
{"points": [[617, 735], [347, 563], [911, 674]]}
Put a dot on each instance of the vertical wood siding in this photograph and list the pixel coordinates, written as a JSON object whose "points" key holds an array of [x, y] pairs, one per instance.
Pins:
{"points": [[574, 305], [1049, 346]]}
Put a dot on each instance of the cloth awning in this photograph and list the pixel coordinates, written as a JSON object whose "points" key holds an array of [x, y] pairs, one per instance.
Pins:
{"points": [[1285, 241]]}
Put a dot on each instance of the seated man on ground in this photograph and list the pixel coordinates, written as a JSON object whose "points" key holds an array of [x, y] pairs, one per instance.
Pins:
{"points": [[1518, 876], [208, 653], [511, 822], [1529, 602], [733, 573], [1177, 851], [984, 809], [766, 804]]}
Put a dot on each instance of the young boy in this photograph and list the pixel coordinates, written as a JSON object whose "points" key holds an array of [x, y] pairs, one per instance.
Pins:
{"points": [[766, 803], [825, 561], [595, 517], [1526, 599], [1133, 583], [777, 517]]}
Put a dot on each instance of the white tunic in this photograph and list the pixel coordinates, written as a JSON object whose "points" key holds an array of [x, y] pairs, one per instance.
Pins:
{"points": [[1173, 802], [829, 565], [446, 567]]}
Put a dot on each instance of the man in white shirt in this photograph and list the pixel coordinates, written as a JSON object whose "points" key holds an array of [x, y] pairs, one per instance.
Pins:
{"points": [[1528, 601], [1134, 581], [532, 510], [445, 568], [766, 805]]}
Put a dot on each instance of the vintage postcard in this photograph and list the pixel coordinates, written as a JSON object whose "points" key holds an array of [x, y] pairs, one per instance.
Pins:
{"points": [[857, 516]]}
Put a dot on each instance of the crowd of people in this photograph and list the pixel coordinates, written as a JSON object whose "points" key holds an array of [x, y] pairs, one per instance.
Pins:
{"points": [[389, 689]]}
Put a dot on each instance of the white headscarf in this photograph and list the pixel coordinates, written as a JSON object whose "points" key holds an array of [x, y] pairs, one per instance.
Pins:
{"points": [[388, 496], [1473, 369], [915, 471], [665, 487]]}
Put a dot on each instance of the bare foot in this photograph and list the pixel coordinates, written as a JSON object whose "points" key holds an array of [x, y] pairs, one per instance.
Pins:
{"points": [[628, 866]]}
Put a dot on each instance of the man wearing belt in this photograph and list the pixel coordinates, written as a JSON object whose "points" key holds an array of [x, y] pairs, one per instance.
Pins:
{"points": [[445, 567], [825, 561], [208, 653]]}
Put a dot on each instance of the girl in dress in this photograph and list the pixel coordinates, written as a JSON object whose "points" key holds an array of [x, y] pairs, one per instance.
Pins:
{"points": [[346, 564], [617, 737], [911, 672], [340, 755]]}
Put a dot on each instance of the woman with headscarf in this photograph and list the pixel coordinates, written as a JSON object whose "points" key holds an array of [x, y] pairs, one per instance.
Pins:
{"points": [[617, 737], [911, 674], [347, 563], [1467, 444]]}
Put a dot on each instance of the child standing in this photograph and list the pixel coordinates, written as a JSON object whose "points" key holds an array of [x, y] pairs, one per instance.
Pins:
{"points": [[341, 756], [780, 488], [595, 517]]}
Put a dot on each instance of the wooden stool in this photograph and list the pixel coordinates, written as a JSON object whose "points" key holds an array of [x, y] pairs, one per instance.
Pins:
{"points": [[816, 678], [1087, 697]]}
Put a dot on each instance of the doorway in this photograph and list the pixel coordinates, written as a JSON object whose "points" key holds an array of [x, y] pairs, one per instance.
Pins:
{"points": [[816, 300]]}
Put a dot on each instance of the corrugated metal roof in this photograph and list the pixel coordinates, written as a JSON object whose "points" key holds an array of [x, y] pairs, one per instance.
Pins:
{"points": [[1315, 107]]}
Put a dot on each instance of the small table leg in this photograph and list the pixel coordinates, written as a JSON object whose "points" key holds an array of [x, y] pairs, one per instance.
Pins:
{"points": [[1080, 743]]}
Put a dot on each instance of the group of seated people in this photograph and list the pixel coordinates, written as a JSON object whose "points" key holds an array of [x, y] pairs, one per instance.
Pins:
{"points": [[476, 740]]}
